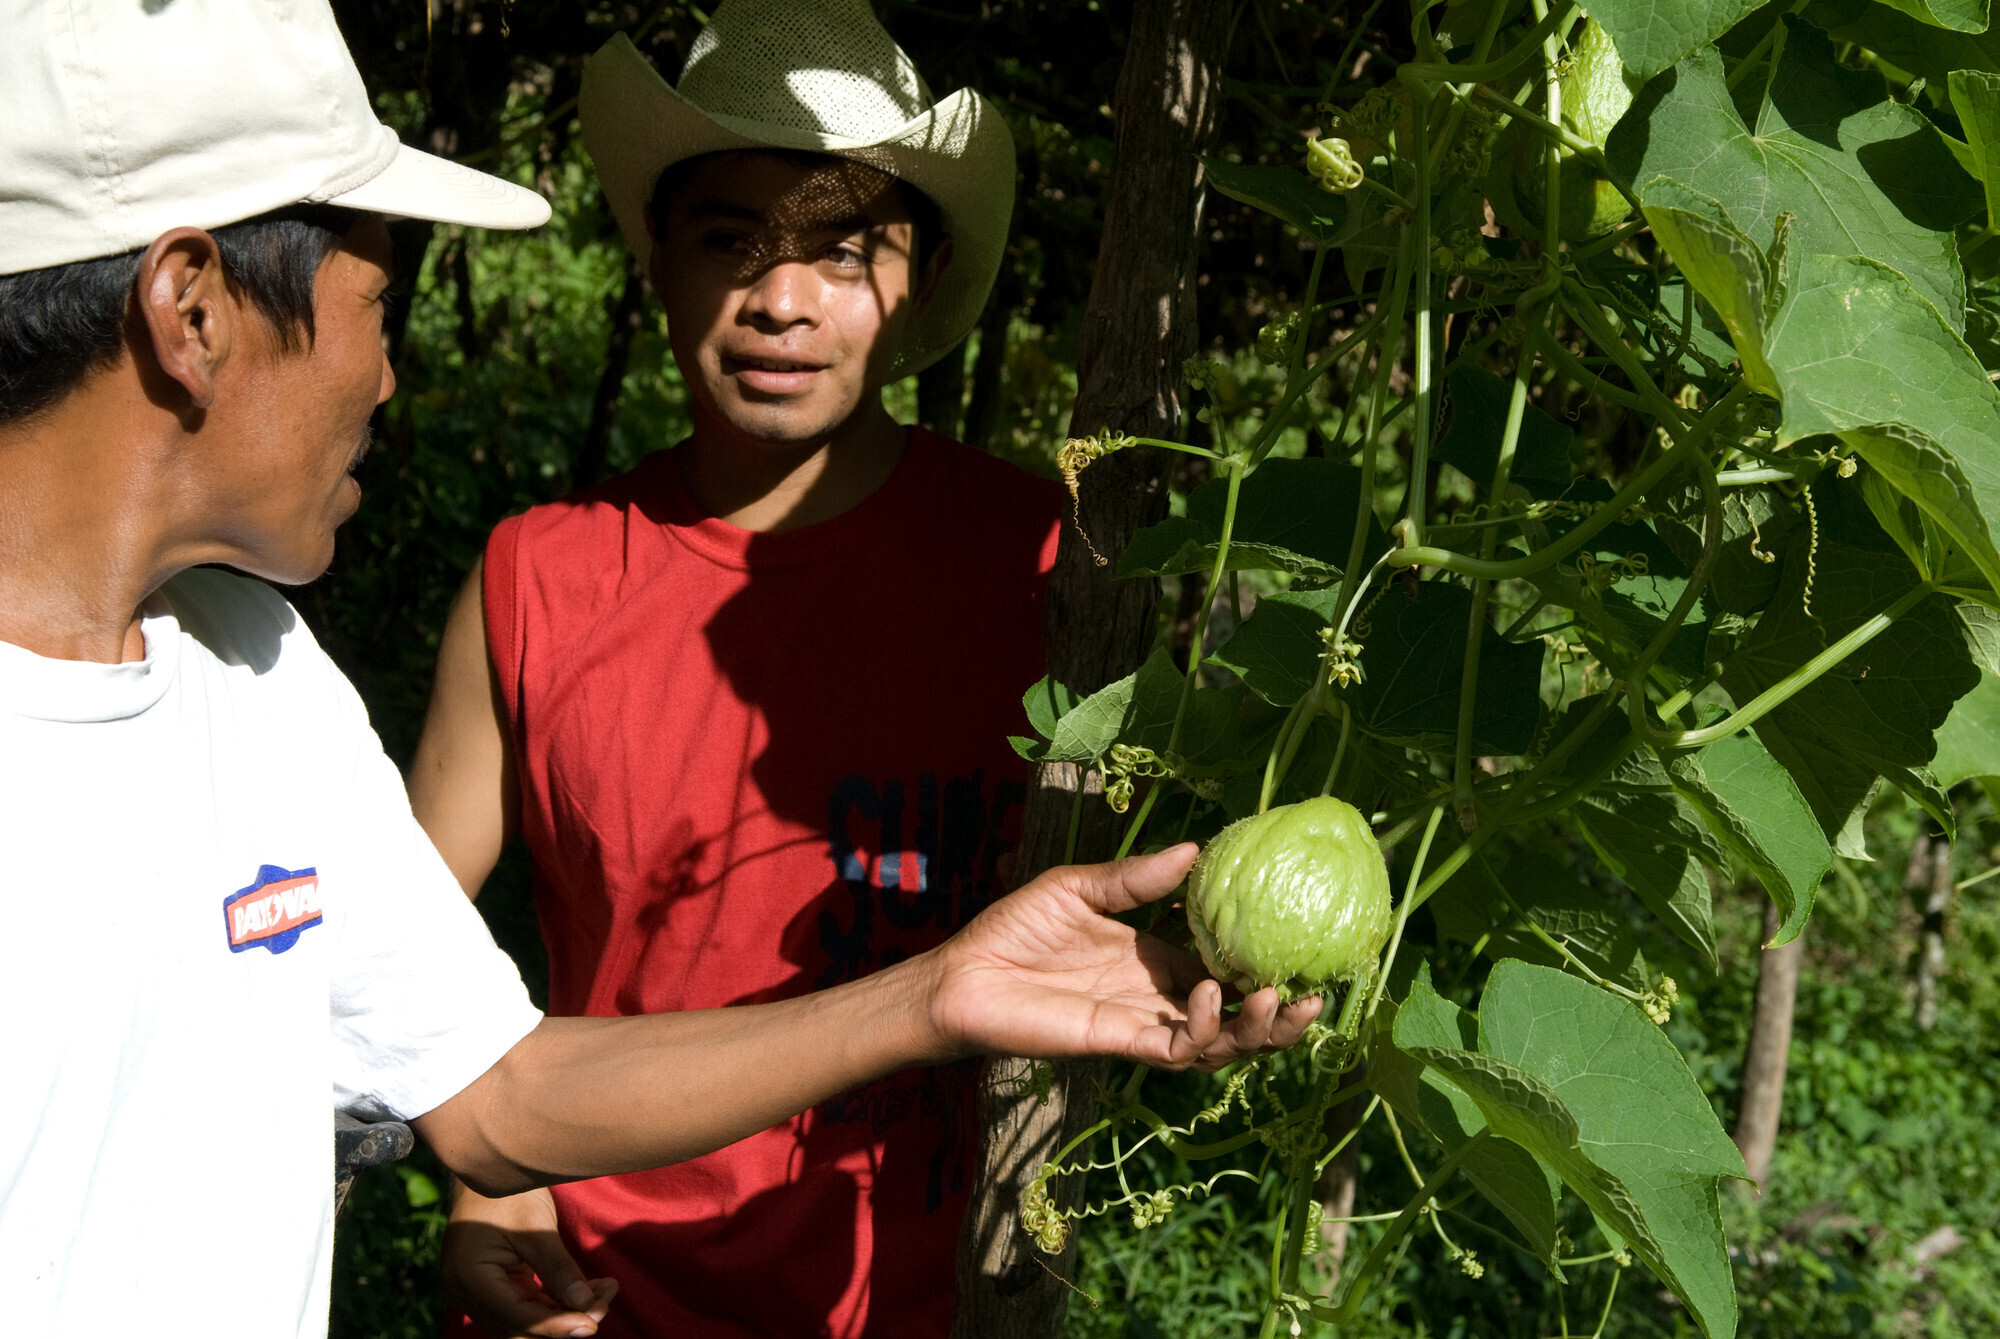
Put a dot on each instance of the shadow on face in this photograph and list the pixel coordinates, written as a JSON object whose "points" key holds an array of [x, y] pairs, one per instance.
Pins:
{"points": [[788, 285]]}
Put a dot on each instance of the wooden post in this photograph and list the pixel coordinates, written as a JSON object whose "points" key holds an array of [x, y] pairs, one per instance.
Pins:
{"points": [[1138, 328], [1929, 883], [1770, 1047]]}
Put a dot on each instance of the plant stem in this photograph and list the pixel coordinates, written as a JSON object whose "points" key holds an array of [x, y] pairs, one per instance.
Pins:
{"points": [[1273, 767], [1410, 903], [1417, 495], [1553, 759], [1267, 437], [1139, 819], [1788, 687], [1339, 752], [1562, 137], [1327, 1157], [1385, 359], [1541, 602], [1589, 380], [1199, 649], [1184, 448], [1496, 494], [1774, 38], [1075, 814], [1549, 941], [1358, 1286], [1418, 73]]}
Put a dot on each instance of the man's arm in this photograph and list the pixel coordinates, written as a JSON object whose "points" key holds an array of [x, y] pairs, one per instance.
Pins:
{"points": [[1044, 972], [462, 786]]}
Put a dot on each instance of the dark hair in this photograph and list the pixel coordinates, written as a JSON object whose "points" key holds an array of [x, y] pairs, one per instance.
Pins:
{"points": [[927, 220], [60, 323]]}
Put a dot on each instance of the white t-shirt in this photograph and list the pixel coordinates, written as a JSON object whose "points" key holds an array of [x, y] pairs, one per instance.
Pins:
{"points": [[219, 923]]}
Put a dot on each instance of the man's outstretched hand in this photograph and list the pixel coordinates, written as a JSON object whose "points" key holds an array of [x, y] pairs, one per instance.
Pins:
{"points": [[1046, 973], [1043, 973]]}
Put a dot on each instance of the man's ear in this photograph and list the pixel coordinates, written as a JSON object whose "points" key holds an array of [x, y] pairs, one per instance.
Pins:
{"points": [[186, 310], [927, 282]]}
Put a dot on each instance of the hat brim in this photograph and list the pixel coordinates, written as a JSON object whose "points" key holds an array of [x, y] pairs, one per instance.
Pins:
{"points": [[419, 185], [960, 153]]}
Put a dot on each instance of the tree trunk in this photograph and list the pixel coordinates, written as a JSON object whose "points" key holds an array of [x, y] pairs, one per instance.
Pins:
{"points": [[1928, 882], [1138, 328], [627, 311], [1770, 1047], [941, 394]]}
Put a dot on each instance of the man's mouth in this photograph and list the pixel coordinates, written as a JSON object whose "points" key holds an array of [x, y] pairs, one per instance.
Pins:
{"points": [[771, 375]]}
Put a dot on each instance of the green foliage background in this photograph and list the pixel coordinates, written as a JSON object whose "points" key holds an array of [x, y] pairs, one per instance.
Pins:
{"points": [[514, 390]]}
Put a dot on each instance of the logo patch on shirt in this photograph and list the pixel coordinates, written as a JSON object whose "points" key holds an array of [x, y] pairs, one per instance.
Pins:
{"points": [[274, 911]]}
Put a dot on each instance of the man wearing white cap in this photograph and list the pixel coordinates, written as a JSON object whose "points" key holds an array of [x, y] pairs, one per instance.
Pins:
{"points": [[748, 704], [220, 915]]}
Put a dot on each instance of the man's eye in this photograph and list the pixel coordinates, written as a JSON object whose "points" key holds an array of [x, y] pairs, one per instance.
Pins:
{"points": [[847, 255], [726, 243]]}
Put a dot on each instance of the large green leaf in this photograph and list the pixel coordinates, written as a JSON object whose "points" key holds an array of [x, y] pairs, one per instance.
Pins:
{"points": [[1653, 840], [1639, 1115], [1753, 523], [1072, 729], [1857, 355], [1208, 730], [1863, 174], [1725, 267], [1965, 16], [1277, 650], [1754, 808], [1975, 96], [1469, 909], [1505, 1173], [1874, 714], [1654, 34], [1968, 743], [1284, 192], [1648, 1174], [1412, 661], [1905, 42], [1138, 709], [1475, 417], [1293, 516]]}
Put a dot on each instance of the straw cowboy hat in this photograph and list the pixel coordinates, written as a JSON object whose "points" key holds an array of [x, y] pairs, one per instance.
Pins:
{"points": [[821, 76]]}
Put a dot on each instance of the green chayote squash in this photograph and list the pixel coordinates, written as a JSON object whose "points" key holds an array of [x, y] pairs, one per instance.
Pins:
{"points": [[1296, 898], [1594, 96]]}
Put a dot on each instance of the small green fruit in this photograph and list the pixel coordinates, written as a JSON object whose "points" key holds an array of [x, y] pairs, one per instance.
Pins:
{"points": [[1296, 898], [1595, 95]]}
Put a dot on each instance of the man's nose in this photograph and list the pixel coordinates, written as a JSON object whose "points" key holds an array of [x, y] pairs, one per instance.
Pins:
{"points": [[785, 294]]}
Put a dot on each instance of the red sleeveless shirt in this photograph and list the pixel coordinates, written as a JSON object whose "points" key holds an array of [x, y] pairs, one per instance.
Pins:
{"points": [[754, 765]]}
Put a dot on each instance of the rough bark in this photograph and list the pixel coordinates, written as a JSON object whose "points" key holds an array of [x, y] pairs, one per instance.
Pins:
{"points": [[1928, 882], [1138, 328], [1770, 1046]]}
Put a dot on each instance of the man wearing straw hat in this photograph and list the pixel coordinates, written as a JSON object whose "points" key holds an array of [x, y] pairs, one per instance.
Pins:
{"points": [[223, 922], [748, 704]]}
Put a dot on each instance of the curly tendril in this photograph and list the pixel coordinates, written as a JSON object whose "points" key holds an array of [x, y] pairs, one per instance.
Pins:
{"points": [[1075, 456], [1330, 163]]}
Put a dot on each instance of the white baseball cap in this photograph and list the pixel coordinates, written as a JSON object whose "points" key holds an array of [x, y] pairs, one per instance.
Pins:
{"points": [[127, 118]]}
